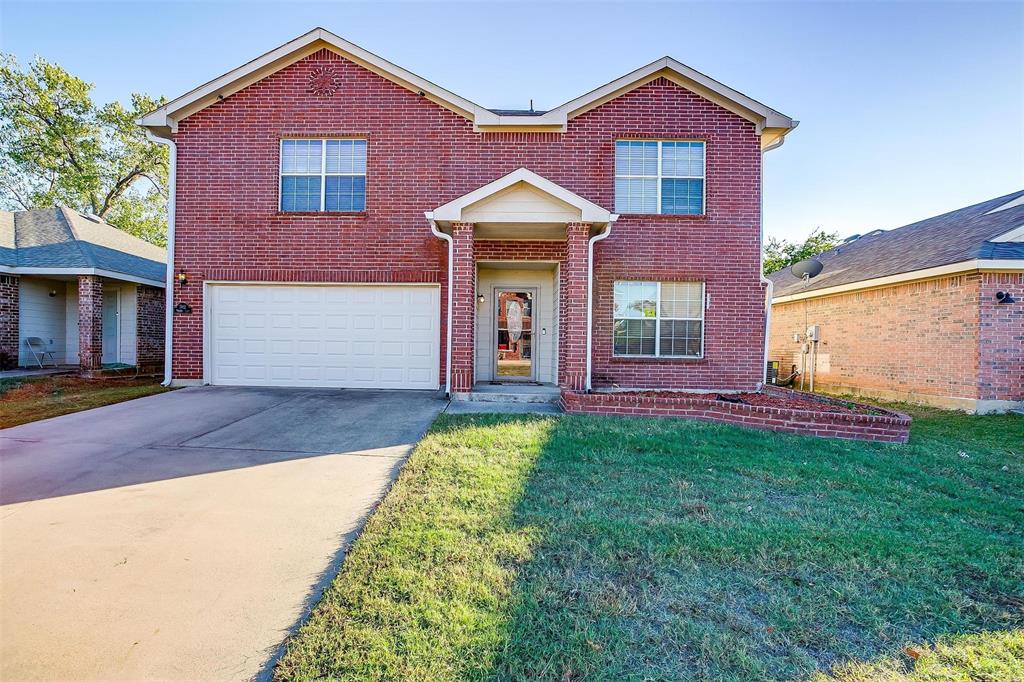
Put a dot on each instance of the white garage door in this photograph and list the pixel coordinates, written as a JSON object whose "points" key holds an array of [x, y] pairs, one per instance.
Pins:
{"points": [[335, 336]]}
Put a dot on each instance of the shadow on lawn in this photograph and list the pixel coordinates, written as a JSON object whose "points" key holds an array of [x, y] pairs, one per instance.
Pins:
{"points": [[666, 549]]}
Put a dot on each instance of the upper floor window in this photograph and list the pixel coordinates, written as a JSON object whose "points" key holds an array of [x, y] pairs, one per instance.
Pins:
{"points": [[653, 176], [660, 319], [323, 175]]}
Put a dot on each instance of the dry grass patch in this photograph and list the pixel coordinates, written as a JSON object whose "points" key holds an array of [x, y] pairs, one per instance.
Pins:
{"points": [[29, 399]]}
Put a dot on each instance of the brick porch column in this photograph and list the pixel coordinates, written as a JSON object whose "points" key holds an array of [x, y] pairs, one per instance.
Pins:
{"points": [[90, 322], [572, 309], [10, 302], [463, 310]]}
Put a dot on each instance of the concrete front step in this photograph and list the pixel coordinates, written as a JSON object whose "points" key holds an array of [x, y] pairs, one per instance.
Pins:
{"points": [[510, 393]]}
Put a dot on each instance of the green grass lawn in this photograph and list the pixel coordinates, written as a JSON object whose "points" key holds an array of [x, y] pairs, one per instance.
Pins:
{"points": [[598, 548], [29, 399]]}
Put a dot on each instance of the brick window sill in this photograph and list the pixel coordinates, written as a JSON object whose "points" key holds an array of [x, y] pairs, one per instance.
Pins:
{"points": [[663, 216], [657, 360], [325, 214]]}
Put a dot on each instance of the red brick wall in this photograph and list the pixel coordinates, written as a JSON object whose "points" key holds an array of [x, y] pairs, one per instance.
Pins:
{"points": [[1001, 343], [422, 155], [149, 329], [463, 307], [920, 337], [10, 300], [90, 322]]}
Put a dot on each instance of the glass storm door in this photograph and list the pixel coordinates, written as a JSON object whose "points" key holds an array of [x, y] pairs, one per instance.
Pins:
{"points": [[514, 325]]}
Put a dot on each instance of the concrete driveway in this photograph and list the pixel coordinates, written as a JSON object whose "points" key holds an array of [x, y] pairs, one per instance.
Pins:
{"points": [[182, 536]]}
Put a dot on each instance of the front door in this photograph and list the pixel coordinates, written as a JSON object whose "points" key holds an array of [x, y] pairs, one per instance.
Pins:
{"points": [[514, 350], [111, 326]]}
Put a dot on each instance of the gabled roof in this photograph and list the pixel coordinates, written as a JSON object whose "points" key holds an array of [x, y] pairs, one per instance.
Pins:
{"points": [[62, 241], [982, 232], [589, 212], [771, 125]]}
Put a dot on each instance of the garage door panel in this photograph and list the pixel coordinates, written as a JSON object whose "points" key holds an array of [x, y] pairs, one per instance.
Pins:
{"points": [[334, 336]]}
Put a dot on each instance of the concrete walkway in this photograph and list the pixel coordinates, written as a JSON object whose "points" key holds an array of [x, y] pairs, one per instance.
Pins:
{"points": [[182, 536]]}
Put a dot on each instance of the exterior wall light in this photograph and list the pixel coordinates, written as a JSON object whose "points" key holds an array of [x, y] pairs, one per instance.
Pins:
{"points": [[480, 298], [1005, 297], [182, 277]]}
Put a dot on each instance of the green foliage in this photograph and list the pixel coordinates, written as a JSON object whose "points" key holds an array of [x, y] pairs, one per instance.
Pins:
{"points": [[781, 253], [58, 148], [603, 548]]}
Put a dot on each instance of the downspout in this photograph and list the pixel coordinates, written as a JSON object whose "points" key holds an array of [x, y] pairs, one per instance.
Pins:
{"points": [[590, 286], [448, 324], [169, 287], [769, 285]]}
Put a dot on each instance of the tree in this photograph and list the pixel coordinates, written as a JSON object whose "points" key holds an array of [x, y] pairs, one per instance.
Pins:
{"points": [[58, 148], [780, 253]]}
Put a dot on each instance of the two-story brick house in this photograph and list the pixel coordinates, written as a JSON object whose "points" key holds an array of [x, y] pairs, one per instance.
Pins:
{"points": [[340, 221]]}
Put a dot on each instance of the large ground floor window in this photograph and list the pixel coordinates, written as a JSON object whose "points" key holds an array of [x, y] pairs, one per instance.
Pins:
{"points": [[659, 319]]}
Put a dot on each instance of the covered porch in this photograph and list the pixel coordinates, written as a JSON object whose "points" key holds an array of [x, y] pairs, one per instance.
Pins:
{"points": [[82, 322], [519, 285]]}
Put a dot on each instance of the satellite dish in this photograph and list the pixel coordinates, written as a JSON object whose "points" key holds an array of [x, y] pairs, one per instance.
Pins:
{"points": [[806, 269]]}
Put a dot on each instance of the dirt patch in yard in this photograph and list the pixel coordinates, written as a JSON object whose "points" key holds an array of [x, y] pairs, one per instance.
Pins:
{"points": [[28, 399]]}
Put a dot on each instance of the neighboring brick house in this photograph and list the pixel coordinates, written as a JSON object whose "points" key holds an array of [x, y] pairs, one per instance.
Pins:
{"points": [[338, 219], [912, 313], [85, 292]]}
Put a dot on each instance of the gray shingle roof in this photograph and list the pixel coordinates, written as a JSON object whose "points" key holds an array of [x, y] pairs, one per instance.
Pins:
{"points": [[960, 235], [61, 238]]}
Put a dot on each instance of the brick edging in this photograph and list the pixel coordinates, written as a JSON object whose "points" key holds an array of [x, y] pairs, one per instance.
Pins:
{"points": [[889, 427]]}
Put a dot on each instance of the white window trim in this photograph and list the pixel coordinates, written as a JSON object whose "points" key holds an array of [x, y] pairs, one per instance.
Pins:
{"points": [[659, 177], [323, 172], [658, 318]]}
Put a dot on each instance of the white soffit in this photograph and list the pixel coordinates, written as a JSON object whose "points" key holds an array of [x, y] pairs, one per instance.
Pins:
{"points": [[589, 211], [770, 124]]}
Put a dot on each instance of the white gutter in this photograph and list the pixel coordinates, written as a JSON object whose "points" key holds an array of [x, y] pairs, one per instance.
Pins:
{"points": [[590, 286], [448, 335], [169, 289], [770, 285]]}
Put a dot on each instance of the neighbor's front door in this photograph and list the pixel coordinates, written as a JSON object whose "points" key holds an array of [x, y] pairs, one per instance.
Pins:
{"points": [[514, 352]]}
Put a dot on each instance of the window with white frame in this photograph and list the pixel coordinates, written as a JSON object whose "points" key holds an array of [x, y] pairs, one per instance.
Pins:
{"points": [[323, 175], [659, 319], [655, 176]]}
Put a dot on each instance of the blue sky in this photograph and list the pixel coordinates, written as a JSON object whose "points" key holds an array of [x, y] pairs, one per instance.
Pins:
{"points": [[907, 109]]}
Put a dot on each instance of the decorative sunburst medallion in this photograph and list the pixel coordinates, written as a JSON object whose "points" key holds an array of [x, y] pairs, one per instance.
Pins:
{"points": [[323, 82]]}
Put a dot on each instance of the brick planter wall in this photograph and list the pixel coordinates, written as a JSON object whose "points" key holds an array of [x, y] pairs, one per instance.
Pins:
{"points": [[10, 301], [889, 427], [149, 329]]}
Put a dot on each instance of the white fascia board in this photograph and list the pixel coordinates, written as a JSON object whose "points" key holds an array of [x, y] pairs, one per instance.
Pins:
{"points": [[67, 272], [763, 116], [589, 211], [977, 265], [164, 121], [1014, 235], [1013, 203], [168, 115]]}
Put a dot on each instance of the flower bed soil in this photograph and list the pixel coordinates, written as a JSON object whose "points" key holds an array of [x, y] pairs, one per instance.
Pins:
{"points": [[795, 402]]}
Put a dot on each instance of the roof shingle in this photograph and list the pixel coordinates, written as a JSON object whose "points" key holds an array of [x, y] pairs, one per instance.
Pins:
{"points": [[960, 235], [61, 238]]}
